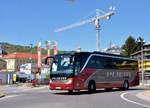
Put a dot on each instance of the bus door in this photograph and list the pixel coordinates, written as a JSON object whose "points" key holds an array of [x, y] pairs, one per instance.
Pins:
{"points": [[79, 76], [77, 79]]}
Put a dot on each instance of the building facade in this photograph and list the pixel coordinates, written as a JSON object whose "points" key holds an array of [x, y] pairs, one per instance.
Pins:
{"points": [[145, 64], [2, 52], [113, 49], [3, 64], [14, 60]]}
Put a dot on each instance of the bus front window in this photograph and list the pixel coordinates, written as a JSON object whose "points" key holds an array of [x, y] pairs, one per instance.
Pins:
{"points": [[62, 66]]}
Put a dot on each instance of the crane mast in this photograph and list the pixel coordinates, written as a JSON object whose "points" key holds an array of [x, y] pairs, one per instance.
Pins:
{"points": [[97, 24], [95, 19]]}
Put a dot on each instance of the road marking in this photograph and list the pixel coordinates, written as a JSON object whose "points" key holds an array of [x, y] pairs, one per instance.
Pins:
{"points": [[131, 101], [144, 97], [9, 96]]}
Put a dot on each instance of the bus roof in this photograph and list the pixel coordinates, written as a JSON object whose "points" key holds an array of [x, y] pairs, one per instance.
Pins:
{"points": [[105, 54], [99, 53]]}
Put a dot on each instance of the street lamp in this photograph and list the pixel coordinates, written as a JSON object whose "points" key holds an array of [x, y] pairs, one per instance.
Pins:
{"points": [[141, 41], [31, 45]]}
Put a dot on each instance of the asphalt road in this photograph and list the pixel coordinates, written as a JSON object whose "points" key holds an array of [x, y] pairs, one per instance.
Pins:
{"points": [[44, 98]]}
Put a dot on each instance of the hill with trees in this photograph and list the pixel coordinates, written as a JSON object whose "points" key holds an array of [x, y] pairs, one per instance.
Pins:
{"points": [[11, 48]]}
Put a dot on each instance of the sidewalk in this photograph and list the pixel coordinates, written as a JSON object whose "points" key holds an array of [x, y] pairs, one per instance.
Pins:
{"points": [[144, 95], [24, 86], [2, 95], [8, 89], [147, 93]]}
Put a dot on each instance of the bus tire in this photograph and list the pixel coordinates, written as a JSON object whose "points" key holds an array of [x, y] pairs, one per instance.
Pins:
{"points": [[126, 85], [108, 89], [92, 86], [70, 91]]}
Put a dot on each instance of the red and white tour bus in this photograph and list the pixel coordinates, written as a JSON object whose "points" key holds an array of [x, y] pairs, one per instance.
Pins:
{"points": [[91, 71]]}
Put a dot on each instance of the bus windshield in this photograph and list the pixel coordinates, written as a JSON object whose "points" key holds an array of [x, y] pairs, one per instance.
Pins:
{"points": [[62, 66]]}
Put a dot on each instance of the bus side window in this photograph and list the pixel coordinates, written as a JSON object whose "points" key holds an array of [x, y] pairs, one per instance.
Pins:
{"points": [[95, 62], [109, 63], [99, 63]]}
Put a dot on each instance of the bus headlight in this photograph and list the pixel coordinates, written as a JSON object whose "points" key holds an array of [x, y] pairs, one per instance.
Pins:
{"points": [[50, 81], [69, 80]]}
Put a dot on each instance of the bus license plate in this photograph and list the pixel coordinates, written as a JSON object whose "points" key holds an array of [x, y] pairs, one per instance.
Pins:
{"points": [[58, 87]]}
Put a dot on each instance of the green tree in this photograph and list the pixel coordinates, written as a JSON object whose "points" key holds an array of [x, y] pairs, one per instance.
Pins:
{"points": [[130, 46], [139, 42]]}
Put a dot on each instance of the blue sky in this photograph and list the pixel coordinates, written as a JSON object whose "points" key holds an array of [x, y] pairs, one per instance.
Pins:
{"points": [[30, 21]]}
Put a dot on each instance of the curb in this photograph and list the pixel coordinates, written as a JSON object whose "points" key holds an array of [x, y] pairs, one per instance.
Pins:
{"points": [[2, 95], [33, 88], [147, 93], [39, 87], [143, 96], [144, 86]]}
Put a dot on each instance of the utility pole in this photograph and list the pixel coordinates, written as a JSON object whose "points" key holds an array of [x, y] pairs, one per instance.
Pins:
{"points": [[39, 54], [31, 53], [142, 59], [142, 63], [31, 63], [55, 48], [39, 60], [48, 47]]}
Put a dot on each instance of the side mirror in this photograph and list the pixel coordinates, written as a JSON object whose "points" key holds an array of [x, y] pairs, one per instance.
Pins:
{"points": [[54, 61], [47, 60], [70, 60]]}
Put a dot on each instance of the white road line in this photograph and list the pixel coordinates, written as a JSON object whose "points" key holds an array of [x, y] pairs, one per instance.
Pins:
{"points": [[9, 96], [131, 101]]}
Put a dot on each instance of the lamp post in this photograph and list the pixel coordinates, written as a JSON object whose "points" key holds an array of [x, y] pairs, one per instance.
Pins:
{"points": [[141, 41], [31, 45], [142, 64], [31, 53], [48, 45]]}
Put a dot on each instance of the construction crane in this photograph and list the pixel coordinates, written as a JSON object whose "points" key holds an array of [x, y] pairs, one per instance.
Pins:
{"points": [[96, 19]]}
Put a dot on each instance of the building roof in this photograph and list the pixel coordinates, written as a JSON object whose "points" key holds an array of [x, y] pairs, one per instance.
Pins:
{"points": [[147, 44], [18, 55]]}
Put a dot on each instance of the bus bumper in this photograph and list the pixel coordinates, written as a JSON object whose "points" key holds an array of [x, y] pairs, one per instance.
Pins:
{"points": [[60, 86]]}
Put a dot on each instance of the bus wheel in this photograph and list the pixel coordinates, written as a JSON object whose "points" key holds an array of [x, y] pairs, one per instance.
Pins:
{"points": [[126, 85], [92, 87], [70, 91], [108, 89]]}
